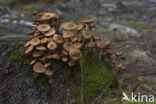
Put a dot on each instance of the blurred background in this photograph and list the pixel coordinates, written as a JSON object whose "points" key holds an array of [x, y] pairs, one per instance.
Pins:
{"points": [[129, 24]]}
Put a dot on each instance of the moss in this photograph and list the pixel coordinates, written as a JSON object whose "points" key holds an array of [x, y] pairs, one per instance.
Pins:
{"points": [[132, 23], [28, 8], [102, 29], [96, 78]]}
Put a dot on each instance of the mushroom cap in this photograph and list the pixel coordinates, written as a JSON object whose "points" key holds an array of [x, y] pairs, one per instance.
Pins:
{"points": [[71, 63], [56, 56], [49, 56], [123, 67], [43, 27], [50, 33], [49, 73], [75, 39], [68, 34], [27, 44], [107, 43], [58, 39], [47, 64], [101, 44], [75, 54], [44, 40], [88, 20], [118, 53], [29, 49], [64, 52], [39, 67], [37, 54], [64, 59], [52, 45], [33, 62], [80, 27], [96, 37], [128, 76], [118, 65], [91, 44], [69, 26], [40, 14], [48, 16], [35, 41], [67, 46], [50, 39], [41, 48], [77, 45], [87, 34], [30, 32], [141, 79]]}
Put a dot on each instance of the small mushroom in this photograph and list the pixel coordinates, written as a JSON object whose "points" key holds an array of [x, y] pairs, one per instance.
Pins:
{"points": [[118, 65], [87, 34], [56, 56], [48, 56], [68, 34], [43, 27], [39, 68], [80, 27], [47, 64], [33, 62], [75, 54], [141, 79], [37, 54], [58, 39], [96, 37], [64, 59], [50, 33], [88, 21], [101, 44], [77, 45], [41, 48], [91, 44], [71, 63], [35, 41], [118, 53], [44, 40], [67, 46], [49, 73], [52, 45], [64, 52], [27, 44], [69, 26], [128, 76], [29, 49], [74, 39]]}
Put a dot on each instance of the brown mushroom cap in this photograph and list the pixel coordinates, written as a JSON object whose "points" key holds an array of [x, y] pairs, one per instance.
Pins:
{"points": [[41, 48], [44, 40], [47, 64], [75, 39], [118, 53], [128, 76], [141, 79], [68, 34], [67, 46], [64, 59], [71, 63], [52, 45], [50, 33], [64, 52], [91, 44], [88, 20], [56, 56], [46, 16], [101, 44], [31, 32], [37, 54], [27, 44], [77, 45], [118, 65], [58, 39], [43, 27], [80, 27], [69, 26], [39, 68], [48, 56], [49, 73], [29, 49], [107, 43], [33, 62], [75, 54], [96, 37], [87, 34], [35, 41]]}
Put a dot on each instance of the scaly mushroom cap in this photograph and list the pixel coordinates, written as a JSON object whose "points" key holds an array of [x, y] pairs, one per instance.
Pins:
{"points": [[75, 54], [64, 59], [56, 56], [77, 45], [58, 39], [41, 48], [87, 34], [43, 27], [118, 53], [49, 73], [96, 37], [50, 33], [101, 44], [33, 62], [88, 20], [71, 63], [69, 26], [35, 41], [68, 34], [67, 46], [52, 45], [44, 40], [29, 49], [91, 44], [80, 27], [39, 68], [37, 54]]}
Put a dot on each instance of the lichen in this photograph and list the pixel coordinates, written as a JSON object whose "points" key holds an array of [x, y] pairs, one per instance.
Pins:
{"points": [[96, 78]]}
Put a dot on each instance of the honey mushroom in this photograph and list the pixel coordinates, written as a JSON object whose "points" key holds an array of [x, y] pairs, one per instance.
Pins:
{"points": [[69, 26], [88, 23], [39, 68]]}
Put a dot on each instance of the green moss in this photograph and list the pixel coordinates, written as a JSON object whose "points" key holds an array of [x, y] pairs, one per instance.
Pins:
{"points": [[96, 78], [132, 23], [102, 29], [28, 8]]}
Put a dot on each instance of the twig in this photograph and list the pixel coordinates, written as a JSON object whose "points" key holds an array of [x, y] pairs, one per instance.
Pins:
{"points": [[81, 83]]}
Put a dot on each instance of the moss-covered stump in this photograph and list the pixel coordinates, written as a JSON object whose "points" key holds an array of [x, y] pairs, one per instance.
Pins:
{"points": [[96, 79]]}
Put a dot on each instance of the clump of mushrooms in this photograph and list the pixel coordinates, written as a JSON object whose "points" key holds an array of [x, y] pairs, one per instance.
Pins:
{"points": [[51, 40]]}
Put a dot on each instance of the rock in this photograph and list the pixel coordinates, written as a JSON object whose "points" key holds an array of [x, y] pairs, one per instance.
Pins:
{"points": [[124, 30]]}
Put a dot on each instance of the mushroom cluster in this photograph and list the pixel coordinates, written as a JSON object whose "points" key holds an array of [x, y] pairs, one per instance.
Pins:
{"points": [[52, 40]]}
